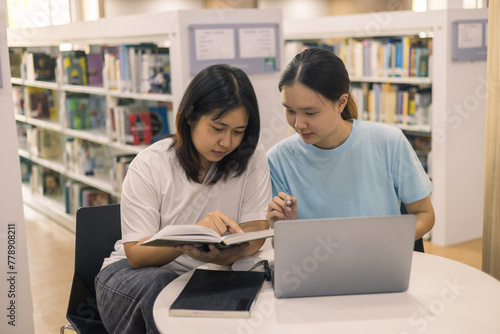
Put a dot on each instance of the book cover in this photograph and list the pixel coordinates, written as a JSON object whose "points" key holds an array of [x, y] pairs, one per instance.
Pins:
{"points": [[16, 61], [159, 121], [138, 128], [155, 72], [97, 113], [119, 168], [22, 134], [200, 236], [77, 112], [50, 144], [44, 66], [41, 103], [25, 169], [218, 293], [95, 63], [18, 98], [91, 158], [94, 197], [75, 67], [51, 183]]}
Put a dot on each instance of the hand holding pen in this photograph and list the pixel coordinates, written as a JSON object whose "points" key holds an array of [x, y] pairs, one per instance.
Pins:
{"points": [[282, 207]]}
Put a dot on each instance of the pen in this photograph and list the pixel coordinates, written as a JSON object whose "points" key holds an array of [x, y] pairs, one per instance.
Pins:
{"points": [[289, 203]]}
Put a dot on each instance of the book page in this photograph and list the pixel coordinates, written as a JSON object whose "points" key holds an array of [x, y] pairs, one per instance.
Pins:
{"points": [[186, 233], [231, 239]]}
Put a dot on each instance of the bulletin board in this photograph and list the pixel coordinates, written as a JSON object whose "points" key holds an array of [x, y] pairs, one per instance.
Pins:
{"points": [[255, 48], [469, 40]]}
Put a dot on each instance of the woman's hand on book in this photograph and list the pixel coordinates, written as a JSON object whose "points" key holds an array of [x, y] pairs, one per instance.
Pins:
{"points": [[220, 223], [215, 255]]}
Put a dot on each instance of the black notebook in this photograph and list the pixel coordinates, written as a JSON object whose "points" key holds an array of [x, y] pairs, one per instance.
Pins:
{"points": [[218, 293]]}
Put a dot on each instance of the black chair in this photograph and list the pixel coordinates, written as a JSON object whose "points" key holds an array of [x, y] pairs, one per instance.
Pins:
{"points": [[419, 244], [97, 230]]}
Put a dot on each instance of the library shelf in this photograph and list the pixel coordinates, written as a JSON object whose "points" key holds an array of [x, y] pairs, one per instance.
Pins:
{"points": [[456, 121], [166, 31]]}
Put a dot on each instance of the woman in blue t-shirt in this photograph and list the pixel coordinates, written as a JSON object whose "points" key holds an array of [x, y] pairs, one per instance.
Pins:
{"points": [[336, 165]]}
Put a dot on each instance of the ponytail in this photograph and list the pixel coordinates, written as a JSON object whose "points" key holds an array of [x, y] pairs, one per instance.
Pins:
{"points": [[350, 110]]}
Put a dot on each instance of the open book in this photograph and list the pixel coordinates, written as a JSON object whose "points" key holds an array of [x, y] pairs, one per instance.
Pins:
{"points": [[201, 237]]}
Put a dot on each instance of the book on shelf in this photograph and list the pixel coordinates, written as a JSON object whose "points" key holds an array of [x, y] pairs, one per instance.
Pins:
{"points": [[77, 111], [51, 183], [16, 62], [131, 124], [72, 191], [111, 67], [40, 66], [70, 156], [219, 293], [406, 56], [78, 194], [201, 236], [393, 103], [50, 144], [119, 168], [18, 99], [22, 134], [422, 147], [43, 143], [36, 183], [97, 113], [85, 157], [95, 64], [94, 197], [41, 103], [137, 127], [25, 169], [74, 67], [91, 158], [155, 71], [159, 120]]}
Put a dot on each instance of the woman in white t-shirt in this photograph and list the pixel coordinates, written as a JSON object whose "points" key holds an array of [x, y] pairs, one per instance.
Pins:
{"points": [[213, 173]]}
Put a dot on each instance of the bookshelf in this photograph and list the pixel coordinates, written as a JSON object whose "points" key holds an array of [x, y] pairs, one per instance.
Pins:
{"points": [[455, 124], [166, 30]]}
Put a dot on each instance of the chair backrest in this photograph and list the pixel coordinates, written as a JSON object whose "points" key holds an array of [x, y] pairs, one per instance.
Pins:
{"points": [[97, 230]]}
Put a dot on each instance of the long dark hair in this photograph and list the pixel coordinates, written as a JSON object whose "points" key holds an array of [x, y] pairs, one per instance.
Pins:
{"points": [[323, 72], [216, 90]]}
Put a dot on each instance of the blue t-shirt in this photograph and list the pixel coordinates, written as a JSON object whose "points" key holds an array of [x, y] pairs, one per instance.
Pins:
{"points": [[368, 175]]}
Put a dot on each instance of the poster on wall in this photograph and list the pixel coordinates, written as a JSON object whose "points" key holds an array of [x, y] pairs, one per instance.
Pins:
{"points": [[252, 47], [469, 40]]}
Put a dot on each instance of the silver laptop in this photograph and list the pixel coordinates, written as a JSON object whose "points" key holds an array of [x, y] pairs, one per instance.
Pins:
{"points": [[340, 256]]}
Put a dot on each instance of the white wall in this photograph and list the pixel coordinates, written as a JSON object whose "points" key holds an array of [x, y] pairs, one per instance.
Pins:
{"points": [[114, 8], [458, 139], [15, 291], [298, 9]]}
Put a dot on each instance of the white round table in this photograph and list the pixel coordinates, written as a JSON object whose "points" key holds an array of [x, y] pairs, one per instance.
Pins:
{"points": [[444, 296]]}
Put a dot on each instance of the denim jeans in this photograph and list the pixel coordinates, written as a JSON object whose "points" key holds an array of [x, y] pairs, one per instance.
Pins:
{"points": [[125, 296]]}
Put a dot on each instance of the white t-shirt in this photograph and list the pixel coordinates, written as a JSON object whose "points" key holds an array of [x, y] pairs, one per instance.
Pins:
{"points": [[157, 193]]}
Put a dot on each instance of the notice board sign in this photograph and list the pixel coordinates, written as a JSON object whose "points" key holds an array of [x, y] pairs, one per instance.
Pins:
{"points": [[469, 40], [255, 48]]}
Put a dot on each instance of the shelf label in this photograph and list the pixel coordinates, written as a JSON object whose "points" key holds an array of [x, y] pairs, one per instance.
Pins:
{"points": [[469, 40], [257, 43], [212, 44], [470, 35]]}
